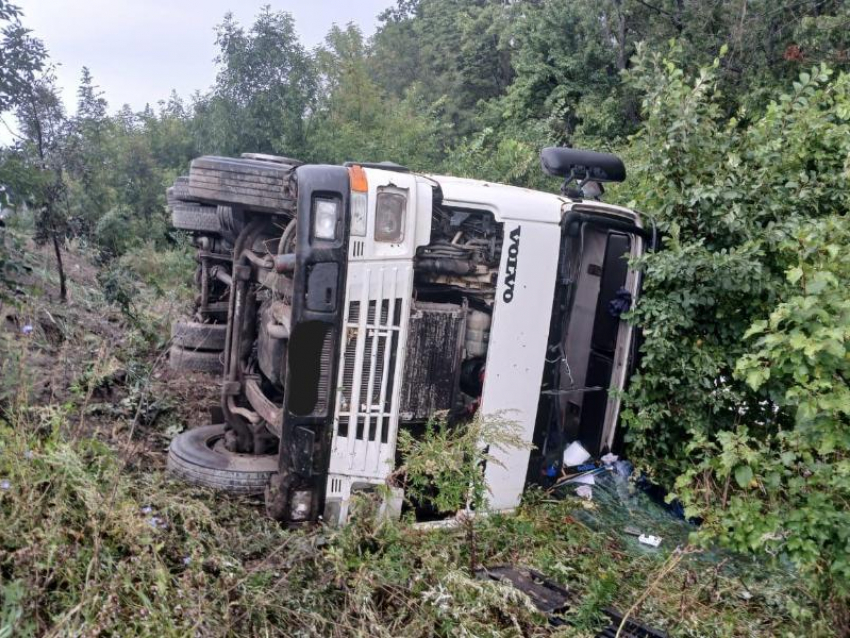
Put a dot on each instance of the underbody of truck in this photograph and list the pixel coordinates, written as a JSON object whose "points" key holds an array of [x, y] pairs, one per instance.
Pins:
{"points": [[358, 301]]}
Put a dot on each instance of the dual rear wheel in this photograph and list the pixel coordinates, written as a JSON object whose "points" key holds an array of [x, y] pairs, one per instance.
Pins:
{"points": [[209, 204]]}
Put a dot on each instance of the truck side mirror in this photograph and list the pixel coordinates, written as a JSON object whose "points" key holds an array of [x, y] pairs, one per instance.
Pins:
{"points": [[583, 167]]}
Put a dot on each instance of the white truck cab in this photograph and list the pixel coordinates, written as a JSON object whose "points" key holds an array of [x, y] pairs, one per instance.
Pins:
{"points": [[382, 297]]}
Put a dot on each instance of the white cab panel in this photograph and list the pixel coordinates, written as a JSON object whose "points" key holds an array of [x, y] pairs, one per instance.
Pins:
{"points": [[518, 338], [378, 296]]}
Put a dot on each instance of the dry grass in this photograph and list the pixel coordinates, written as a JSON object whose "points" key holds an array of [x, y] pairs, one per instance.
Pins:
{"points": [[96, 540]]}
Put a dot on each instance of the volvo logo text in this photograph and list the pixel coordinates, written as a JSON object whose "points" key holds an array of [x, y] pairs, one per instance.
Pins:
{"points": [[510, 268]]}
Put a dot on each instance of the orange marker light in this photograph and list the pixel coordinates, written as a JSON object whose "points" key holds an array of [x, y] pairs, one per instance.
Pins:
{"points": [[357, 176]]}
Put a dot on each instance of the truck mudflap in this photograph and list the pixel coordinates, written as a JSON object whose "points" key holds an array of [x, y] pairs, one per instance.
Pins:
{"points": [[296, 493]]}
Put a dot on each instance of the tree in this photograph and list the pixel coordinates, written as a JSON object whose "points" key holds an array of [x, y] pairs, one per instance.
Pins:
{"points": [[458, 53], [41, 117], [264, 89], [89, 157], [355, 120], [21, 55]]}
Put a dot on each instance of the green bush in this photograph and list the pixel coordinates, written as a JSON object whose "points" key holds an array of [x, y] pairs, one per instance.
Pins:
{"points": [[122, 229], [741, 398]]}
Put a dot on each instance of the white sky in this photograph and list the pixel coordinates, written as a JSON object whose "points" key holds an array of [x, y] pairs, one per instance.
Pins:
{"points": [[138, 50]]}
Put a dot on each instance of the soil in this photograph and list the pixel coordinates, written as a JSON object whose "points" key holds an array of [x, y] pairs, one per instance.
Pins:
{"points": [[84, 353]]}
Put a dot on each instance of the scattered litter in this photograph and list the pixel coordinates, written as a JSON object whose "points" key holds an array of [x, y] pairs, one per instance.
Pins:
{"points": [[556, 601], [548, 596], [627, 627], [28, 455], [5, 485], [631, 530], [147, 509], [585, 491], [575, 454], [157, 523], [584, 479], [609, 459], [27, 329], [648, 539], [187, 560], [585, 467], [623, 468]]}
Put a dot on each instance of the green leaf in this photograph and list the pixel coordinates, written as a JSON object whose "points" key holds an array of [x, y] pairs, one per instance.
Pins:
{"points": [[743, 475], [794, 274]]}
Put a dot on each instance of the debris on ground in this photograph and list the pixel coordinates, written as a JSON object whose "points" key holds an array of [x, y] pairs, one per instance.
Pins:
{"points": [[649, 539], [554, 601], [575, 454]]}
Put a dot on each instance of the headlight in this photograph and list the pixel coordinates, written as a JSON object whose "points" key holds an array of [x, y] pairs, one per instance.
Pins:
{"points": [[325, 216], [359, 202], [389, 216]]}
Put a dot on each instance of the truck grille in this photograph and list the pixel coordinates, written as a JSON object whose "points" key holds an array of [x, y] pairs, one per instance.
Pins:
{"points": [[373, 394], [325, 366], [372, 335]]}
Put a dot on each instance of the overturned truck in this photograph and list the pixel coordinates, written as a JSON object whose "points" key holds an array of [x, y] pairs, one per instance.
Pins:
{"points": [[342, 304]]}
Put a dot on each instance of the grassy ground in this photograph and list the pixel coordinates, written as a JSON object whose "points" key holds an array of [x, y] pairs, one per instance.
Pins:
{"points": [[96, 540]]}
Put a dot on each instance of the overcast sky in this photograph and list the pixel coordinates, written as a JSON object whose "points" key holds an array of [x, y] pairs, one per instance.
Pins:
{"points": [[139, 50]]}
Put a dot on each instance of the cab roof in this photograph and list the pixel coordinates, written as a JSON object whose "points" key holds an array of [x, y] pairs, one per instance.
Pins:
{"points": [[506, 202]]}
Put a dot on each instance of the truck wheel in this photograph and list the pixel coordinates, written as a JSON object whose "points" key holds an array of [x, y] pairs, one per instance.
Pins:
{"points": [[195, 217], [256, 184], [178, 191], [181, 187], [277, 159], [199, 456], [201, 336], [184, 359]]}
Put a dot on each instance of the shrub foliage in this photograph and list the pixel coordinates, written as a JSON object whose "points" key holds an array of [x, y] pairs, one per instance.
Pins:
{"points": [[742, 396]]}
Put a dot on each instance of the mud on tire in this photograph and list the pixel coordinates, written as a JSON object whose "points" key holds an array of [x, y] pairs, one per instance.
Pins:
{"points": [[195, 217], [192, 335], [178, 191], [198, 456], [256, 184], [185, 359]]}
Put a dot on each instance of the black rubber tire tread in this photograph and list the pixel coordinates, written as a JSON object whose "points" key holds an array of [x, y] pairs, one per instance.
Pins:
{"points": [[192, 458], [273, 180], [184, 359], [257, 184], [277, 159], [195, 217], [240, 165], [236, 197], [250, 186], [181, 187], [217, 308], [199, 336]]}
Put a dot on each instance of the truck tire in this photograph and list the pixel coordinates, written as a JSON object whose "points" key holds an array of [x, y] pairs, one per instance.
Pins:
{"points": [[179, 191], [277, 159], [198, 456], [195, 217], [192, 335], [184, 359], [255, 184], [215, 311], [181, 187]]}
